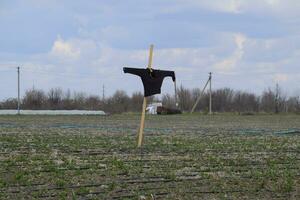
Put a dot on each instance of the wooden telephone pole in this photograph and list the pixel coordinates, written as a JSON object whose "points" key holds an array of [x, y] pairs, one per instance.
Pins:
{"points": [[202, 92], [18, 68], [103, 92], [210, 99], [142, 125]]}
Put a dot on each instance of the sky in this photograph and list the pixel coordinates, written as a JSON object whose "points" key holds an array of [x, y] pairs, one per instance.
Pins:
{"points": [[82, 45]]}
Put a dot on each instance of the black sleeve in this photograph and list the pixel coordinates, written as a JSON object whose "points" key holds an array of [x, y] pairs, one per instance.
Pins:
{"points": [[169, 73], [135, 71]]}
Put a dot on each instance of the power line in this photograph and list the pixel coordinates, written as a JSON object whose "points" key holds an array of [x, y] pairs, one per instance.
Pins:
{"points": [[59, 73], [6, 70], [97, 76], [73, 75], [64, 76]]}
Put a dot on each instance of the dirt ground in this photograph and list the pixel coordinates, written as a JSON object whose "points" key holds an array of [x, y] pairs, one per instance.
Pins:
{"points": [[184, 157]]}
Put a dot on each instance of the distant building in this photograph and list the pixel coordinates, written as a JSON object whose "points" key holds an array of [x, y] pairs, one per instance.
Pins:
{"points": [[159, 109], [152, 108]]}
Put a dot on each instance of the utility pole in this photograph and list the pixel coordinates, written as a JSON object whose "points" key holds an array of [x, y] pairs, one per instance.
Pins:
{"points": [[277, 95], [199, 97], [103, 92], [210, 100], [18, 68]]}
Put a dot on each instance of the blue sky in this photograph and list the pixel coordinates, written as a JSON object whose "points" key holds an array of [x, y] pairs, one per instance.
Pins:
{"points": [[80, 45]]}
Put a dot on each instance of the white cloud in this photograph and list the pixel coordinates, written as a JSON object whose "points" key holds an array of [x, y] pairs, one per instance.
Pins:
{"points": [[104, 64], [232, 6], [108, 36], [64, 50], [276, 7], [240, 40], [280, 77], [230, 63]]}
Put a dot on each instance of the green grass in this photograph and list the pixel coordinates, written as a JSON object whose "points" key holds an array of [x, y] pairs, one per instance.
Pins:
{"points": [[183, 157]]}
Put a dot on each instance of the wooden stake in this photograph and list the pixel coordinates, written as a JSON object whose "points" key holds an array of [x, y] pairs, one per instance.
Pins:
{"points": [[175, 88], [142, 125], [141, 132], [150, 56]]}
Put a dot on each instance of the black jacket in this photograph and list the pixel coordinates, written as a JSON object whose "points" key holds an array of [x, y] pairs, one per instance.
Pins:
{"points": [[152, 80]]}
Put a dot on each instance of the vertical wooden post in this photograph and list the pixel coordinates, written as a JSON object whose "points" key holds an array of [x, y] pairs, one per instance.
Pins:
{"points": [[18, 68], [150, 56], [141, 131], [175, 88]]}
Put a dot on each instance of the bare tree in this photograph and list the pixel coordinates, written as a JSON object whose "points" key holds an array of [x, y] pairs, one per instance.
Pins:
{"points": [[92, 103], [11, 103], [293, 105], [184, 98], [34, 99], [136, 101], [55, 96], [268, 101], [245, 102], [67, 100], [79, 100], [224, 100], [168, 100], [118, 103]]}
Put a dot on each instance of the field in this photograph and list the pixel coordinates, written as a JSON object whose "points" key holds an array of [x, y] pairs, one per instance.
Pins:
{"points": [[184, 157]]}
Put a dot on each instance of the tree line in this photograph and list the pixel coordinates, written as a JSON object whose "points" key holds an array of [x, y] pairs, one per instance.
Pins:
{"points": [[223, 100], [272, 100]]}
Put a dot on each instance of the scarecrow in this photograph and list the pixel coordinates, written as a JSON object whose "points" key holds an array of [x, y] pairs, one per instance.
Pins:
{"points": [[152, 81]]}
